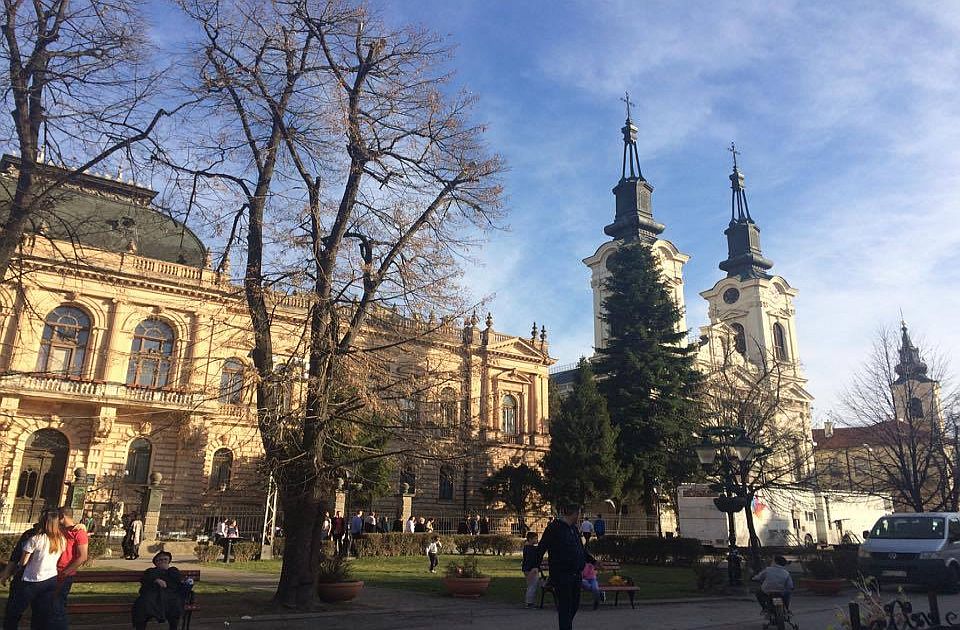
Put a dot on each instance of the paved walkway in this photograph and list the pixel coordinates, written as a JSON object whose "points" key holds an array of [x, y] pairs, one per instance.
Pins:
{"points": [[389, 609]]}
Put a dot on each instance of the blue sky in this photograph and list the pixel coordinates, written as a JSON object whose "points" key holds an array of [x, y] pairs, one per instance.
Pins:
{"points": [[846, 115]]}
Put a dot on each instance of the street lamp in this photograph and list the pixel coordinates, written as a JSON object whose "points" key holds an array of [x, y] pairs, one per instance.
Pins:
{"points": [[726, 453]]}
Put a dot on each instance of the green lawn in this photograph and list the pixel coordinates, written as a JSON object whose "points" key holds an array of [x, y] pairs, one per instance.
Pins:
{"points": [[508, 584]]}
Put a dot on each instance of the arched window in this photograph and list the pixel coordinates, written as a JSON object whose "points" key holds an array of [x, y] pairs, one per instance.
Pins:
{"points": [[916, 408], [63, 348], [508, 415], [231, 382], [446, 484], [42, 469], [138, 461], [739, 338], [151, 354], [780, 343], [221, 469], [448, 407]]}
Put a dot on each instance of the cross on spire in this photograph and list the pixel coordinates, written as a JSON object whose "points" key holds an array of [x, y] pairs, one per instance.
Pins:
{"points": [[626, 99], [733, 150]]}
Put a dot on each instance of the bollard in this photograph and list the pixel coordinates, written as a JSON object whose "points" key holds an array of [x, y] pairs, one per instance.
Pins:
{"points": [[855, 616]]}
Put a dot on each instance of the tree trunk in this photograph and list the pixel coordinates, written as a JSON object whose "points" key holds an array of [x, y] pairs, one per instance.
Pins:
{"points": [[302, 547], [754, 539]]}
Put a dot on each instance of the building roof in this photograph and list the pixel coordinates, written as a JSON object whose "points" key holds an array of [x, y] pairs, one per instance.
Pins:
{"points": [[847, 437], [107, 214]]}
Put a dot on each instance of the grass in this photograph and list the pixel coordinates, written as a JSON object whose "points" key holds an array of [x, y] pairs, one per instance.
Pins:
{"points": [[508, 585]]}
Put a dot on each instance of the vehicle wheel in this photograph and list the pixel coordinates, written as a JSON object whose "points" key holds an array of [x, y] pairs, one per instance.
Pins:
{"points": [[779, 619], [953, 582]]}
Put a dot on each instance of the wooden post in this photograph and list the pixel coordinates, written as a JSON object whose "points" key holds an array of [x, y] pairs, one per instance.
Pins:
{"points": [[934, 608], [855, 616]]}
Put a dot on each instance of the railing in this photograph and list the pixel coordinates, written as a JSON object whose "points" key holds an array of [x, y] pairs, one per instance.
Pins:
{"points": [[898, 614], [184, 522], [87, 388]]}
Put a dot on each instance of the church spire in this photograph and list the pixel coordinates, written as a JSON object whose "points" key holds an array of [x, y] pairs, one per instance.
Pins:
{"points": [[634, 219], [744, 257], [911, 367]]}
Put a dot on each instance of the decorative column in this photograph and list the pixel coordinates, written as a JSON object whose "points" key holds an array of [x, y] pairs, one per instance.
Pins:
{"points": [[150, 508], [405, 503], [77, 490]]}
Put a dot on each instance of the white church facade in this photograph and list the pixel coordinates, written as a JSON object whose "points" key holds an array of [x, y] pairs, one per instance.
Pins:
{"points": [[752, 326]]}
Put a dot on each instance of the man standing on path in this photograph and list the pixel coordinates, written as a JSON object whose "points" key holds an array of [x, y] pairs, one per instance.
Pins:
{"points": [[338, 529], [586, 528], [600, 526], [356, 530], [73, 556], [562, 542]]}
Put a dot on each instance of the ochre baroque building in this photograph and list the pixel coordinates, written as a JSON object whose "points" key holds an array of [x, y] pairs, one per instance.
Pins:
{"points": [[124, 354]]}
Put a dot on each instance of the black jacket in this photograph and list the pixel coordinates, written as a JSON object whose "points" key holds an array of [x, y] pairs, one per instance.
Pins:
{"points": [[157, 602], [563, 544]]}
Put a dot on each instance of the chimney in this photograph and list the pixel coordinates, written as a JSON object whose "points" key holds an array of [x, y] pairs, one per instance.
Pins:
{"points": [[828, 429]]}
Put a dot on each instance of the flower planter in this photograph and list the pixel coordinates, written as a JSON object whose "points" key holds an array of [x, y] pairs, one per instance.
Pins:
{"points": [[830, 586], [338, 591], [466, 587]]}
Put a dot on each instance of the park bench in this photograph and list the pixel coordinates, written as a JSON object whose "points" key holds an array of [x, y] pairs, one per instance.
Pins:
{"points": [[126, 606], [603, 566]]}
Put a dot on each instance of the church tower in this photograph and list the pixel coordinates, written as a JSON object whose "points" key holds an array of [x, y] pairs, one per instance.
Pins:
{"points": [[916, 396], [632, 222], [755, 305]]}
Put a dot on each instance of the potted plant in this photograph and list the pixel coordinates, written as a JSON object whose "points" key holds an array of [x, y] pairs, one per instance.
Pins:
{"points": [[334, 583], [464, 579], [822, 576]]}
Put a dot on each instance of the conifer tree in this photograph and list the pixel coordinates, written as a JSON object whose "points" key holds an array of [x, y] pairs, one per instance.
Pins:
{"points": [[647, 375], [581, 465]]}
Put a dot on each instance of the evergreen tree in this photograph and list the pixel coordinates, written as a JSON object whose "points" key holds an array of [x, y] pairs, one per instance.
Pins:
{"points": [[518, 487], [647, 375], [581, 465]]}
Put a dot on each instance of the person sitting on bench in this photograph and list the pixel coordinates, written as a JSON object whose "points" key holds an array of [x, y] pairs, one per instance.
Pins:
{"points": [[161, 594]]}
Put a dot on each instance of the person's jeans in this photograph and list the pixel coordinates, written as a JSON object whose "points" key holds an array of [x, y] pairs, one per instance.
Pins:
{"points": [[27, 594], [566, 590], [594, 587], [533, 580], [434, 561], [58, 605]]}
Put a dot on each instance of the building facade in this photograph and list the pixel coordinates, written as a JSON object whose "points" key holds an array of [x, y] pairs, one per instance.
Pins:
{"points": [[124, 357]]}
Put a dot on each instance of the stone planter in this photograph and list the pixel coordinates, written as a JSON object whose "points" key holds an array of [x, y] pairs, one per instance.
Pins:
{"points": [[332, 592], [466, 587], [830, 586]]}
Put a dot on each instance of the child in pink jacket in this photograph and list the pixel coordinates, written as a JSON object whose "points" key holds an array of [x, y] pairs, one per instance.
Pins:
{"points": [[589, 577]]}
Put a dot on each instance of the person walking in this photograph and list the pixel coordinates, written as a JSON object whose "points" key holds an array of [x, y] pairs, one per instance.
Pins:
{"points": [[136, 534], [326, 527], [562, 542], [433, 553], [356, 530], [586, 528], [39, 579], [531, 569], [475, 524], [76, 542], [600, 526], [411, 525], [338, 529]]}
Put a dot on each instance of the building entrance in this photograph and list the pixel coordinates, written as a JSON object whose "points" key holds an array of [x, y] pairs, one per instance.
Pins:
{"points": [[40, 483]]}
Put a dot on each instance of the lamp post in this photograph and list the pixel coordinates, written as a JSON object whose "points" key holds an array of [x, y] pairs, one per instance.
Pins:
{"points": [[726, 454]]}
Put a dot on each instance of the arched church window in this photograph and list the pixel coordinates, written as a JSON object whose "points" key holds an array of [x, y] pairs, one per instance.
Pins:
{"points": [[780, 343], [231, 382], [138, 461], [448, 407], [508, 415], [916, 408], [151, 355], [221, 470], [739, 338], [446, 484], [63, 347]]}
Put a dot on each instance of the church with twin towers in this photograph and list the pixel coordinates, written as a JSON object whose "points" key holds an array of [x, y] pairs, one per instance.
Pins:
{"points": [[752, 331]]}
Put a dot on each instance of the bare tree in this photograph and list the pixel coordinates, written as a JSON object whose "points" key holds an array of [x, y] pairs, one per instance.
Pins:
{"points": [[909, 423], [76, 81], [764, 399], [355, 182]]}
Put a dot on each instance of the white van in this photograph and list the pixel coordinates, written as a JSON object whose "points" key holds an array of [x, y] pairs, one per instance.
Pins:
{"points": [[914, 549]]}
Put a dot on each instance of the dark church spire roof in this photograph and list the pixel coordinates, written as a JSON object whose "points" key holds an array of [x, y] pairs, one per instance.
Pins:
{"points": [[634, 219], [911, 367], [744, 258]]}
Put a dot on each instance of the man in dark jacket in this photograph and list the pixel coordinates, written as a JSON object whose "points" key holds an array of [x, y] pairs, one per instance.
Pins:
{"points": [[562, 543]]}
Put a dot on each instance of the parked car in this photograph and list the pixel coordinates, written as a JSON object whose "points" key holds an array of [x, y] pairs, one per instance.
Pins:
{"points": [[914, 549]]}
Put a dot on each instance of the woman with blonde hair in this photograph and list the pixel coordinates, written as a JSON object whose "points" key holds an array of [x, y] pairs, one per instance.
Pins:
{"points": [[39, 581]]}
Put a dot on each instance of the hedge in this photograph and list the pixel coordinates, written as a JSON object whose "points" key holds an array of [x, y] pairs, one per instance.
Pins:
{"points": [[97, 547], [207, 553], [648, 549], [400, 544]]}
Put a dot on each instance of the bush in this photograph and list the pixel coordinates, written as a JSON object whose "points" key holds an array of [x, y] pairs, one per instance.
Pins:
{"points": [[399, 544], [465, 569], [649, 550], [463, 543], [710, 577], [244, 551], [820, 567], [278, 545], [96, 548], [7, 543], [333, 569], [207, 553]]}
